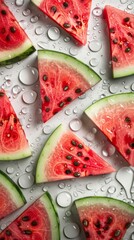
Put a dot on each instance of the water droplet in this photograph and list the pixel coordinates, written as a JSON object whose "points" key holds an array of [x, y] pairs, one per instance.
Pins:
{"points": [[29, 168], [123, 174], [130, 6], [88, 187], [97, 11], [75, 124], [123, 1], [3, 226], [10, 170], [19, 3], [108, 180], [67, 39], [95, 46], [47, 129], [43, 44], [45, 189], [34, 19], [29, 97], [83, 96], [64, 199], [26, 180], [132, 236], [28, 76], [61, 185], [23, 24], [73, 51], [94, 62], [75, 110], [39, 30], [68, 111], [68, 213], [26, 12], [53, 33], [111, 189], [24, 110], [108, 150], [90, 136], [113, 88], [16, 89], [71, 230]]}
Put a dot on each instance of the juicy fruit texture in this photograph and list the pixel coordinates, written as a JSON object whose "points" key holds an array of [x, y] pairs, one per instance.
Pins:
{"points": [[11, 198], [114, 115], [62, 79], [38, 222], [121, 33], [65, 156], [14, 43], [71, 15], [13, 142], [104, 218]]}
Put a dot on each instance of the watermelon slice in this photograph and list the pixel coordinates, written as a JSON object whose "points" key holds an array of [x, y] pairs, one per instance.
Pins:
{"points": [[13, 142], [71, 15], [65, 156], [11, 197], [62, 79], [114, 115], [14, 43], [104, 218], [121, 34], [38, 222]]}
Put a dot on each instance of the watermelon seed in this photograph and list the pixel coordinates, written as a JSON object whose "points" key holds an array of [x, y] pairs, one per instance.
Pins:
{"points": [[69, 157], [78, 90], [112, 30], [85, 223], [3, 12], [79, 23], [65, 4], [132, 145], [8, 232], [130, 34], [109, 220], [127, 225], [86, 158], [97, 224], [79, 154], [54, 9], [47, 99], [128, 151], [15, 120], [27, 232], [47, 109], [115, 59], [76, 163], [26, 218], [76, 174], [76, 16], [128, 49], [61, 104], [106, 228], [45, 77], [13, 29], [117, 233], [1, 94], [68, 171], [69, 99], [74, 143], [34, 223], [115, 41], [127, 119], [66, 25], [99, 232], [80, 146], [65, 88], [126, 19]]}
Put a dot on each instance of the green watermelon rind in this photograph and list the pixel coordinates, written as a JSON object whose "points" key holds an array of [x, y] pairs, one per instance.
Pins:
{"points": [[50, 207], [12, 156], [108, 101], [105, 201], [17, 54], [46, 153], [88, 73], [14, 191]]}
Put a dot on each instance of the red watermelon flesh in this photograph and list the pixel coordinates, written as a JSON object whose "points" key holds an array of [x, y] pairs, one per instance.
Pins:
{"points": [[65, 156], [62, 79], [14, 42], [38, 222], [104, 218], [121, 34], [71, 15], [13, 142], [114, 115]]}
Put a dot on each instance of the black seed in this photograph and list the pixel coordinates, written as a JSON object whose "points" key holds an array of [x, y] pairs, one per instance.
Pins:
{"points": [[99, 232], [79, 23], [76, 163], [26, 218], [115, 40], [69, 157], [47, 110], [87, 234], [76, 174], [7, 38], [27, 232], [126, 19], [74, 143], [79, 154], [13, 29], [130, 34], [8, 232], [128, 151], [97, 224], [61, 104], [2, 94], [131, 145], [127, 225], [112, 30], [68, 171], [109, 220], [15, 120], [117, 233], [115, 59], [65, 4], [69, 99], [3, 12], [45, 77], [106, 227], [128, 49], [80, 145], [86, 158], [65, 88], [34, 223], [127, 119], [54, 9], [85, 223], [76, 16], [66, 25], [78, 90], [47, 99], [2, 238]]}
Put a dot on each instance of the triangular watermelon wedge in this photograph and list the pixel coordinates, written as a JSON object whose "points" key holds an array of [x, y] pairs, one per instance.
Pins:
{"points": [[62, 79], [38, 222], [72, 15], [15, 45], [114, 115], [121, 34], [11, 197], [65, 156], [13, 142]]}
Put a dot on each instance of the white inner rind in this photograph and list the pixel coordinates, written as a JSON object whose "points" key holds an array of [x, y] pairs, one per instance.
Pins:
{"points": [[37, 2], [122, 72]]}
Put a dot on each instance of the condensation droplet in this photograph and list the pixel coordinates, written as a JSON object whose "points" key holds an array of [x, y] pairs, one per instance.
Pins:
{"points": [[29, 168], [29, 97], [68, 213], [97, 11], [95, 46], [88, 187], [83, 96], [71, 230], [47, 129], [68, 111], [130, 6], [61, 185], [39, 30], [108, 150], [3, 226], [19, 3], [23, 24], [34, 19], [44, 44], [94, 62], [28, 76], [73, 51], [26, 12], [16, 89], [123, 1], [113, 88], [26, 180], [90, 136], [123, 174], [24, 110], [67, 39], [75, 124], [53, 33], [111, 190], [108, 180], [10, 170], [132, 236], [64, 199]]}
